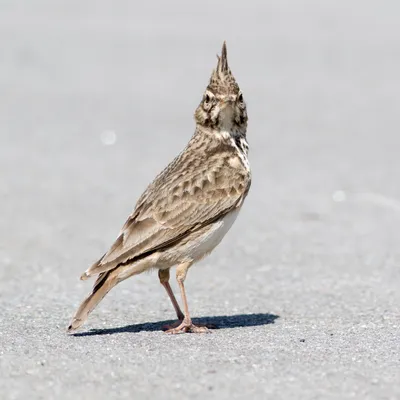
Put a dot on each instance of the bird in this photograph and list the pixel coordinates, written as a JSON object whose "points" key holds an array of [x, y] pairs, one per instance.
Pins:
{"points": [[188, 208]]}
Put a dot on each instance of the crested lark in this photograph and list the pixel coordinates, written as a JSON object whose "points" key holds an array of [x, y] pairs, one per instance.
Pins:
{"points": [[187, 210]]}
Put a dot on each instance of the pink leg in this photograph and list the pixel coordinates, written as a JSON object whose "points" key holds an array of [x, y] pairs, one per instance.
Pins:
{"points": [[163, 275], [186, 325]]}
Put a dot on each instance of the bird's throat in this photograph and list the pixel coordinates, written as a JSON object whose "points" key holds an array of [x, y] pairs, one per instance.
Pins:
{"points": [[226, 118]]}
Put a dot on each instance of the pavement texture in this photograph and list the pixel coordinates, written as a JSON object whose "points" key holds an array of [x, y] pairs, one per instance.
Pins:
{"points": [[97, 97]]}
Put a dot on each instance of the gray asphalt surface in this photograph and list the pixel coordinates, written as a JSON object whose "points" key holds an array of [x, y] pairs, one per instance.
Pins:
{"points": [[97, 97]]}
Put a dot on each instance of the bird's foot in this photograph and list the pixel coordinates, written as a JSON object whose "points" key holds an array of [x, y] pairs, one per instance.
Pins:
{"points": [[187, 327], [177, 323]]}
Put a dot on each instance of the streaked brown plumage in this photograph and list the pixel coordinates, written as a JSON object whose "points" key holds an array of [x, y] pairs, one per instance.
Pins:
{"points": [[189, 207]]}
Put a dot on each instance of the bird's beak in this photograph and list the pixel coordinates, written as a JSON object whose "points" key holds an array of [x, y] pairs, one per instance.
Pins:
{"points": [[227, 101]]}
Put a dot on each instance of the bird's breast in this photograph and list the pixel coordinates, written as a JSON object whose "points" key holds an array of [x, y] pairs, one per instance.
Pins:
{"points": [[209, 237]]}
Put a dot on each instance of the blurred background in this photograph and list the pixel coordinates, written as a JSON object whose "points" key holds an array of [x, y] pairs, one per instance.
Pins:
{"points": [[96, 97]]}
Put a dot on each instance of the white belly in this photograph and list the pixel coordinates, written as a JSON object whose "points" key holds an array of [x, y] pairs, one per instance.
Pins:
{"points": [[203, 245]]}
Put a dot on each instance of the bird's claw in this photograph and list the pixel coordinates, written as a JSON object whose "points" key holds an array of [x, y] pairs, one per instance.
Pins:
{"points": [[184, 327]]}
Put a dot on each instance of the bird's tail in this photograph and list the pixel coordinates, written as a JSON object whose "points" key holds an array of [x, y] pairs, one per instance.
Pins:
{"points": [[104, 283]]}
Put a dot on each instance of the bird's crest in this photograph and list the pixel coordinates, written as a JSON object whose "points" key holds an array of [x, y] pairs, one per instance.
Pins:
{"points": [[222, 81]]}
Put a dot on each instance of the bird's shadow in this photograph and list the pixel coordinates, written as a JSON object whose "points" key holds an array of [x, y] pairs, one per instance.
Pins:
{"points": [[219, 322]]}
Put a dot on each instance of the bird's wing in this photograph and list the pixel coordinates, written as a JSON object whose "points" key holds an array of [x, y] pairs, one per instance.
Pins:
{"points": [[176, 204]]}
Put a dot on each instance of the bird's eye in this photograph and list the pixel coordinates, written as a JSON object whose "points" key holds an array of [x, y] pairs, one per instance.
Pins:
{"points": [[207, 98], [240, 98]]}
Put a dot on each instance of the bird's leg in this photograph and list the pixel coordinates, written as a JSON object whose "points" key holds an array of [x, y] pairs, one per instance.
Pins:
{"points": [[186, 325], [163, 275]]}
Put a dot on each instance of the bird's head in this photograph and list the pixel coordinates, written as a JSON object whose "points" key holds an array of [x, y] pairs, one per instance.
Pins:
{"points": [[222, 107]]}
